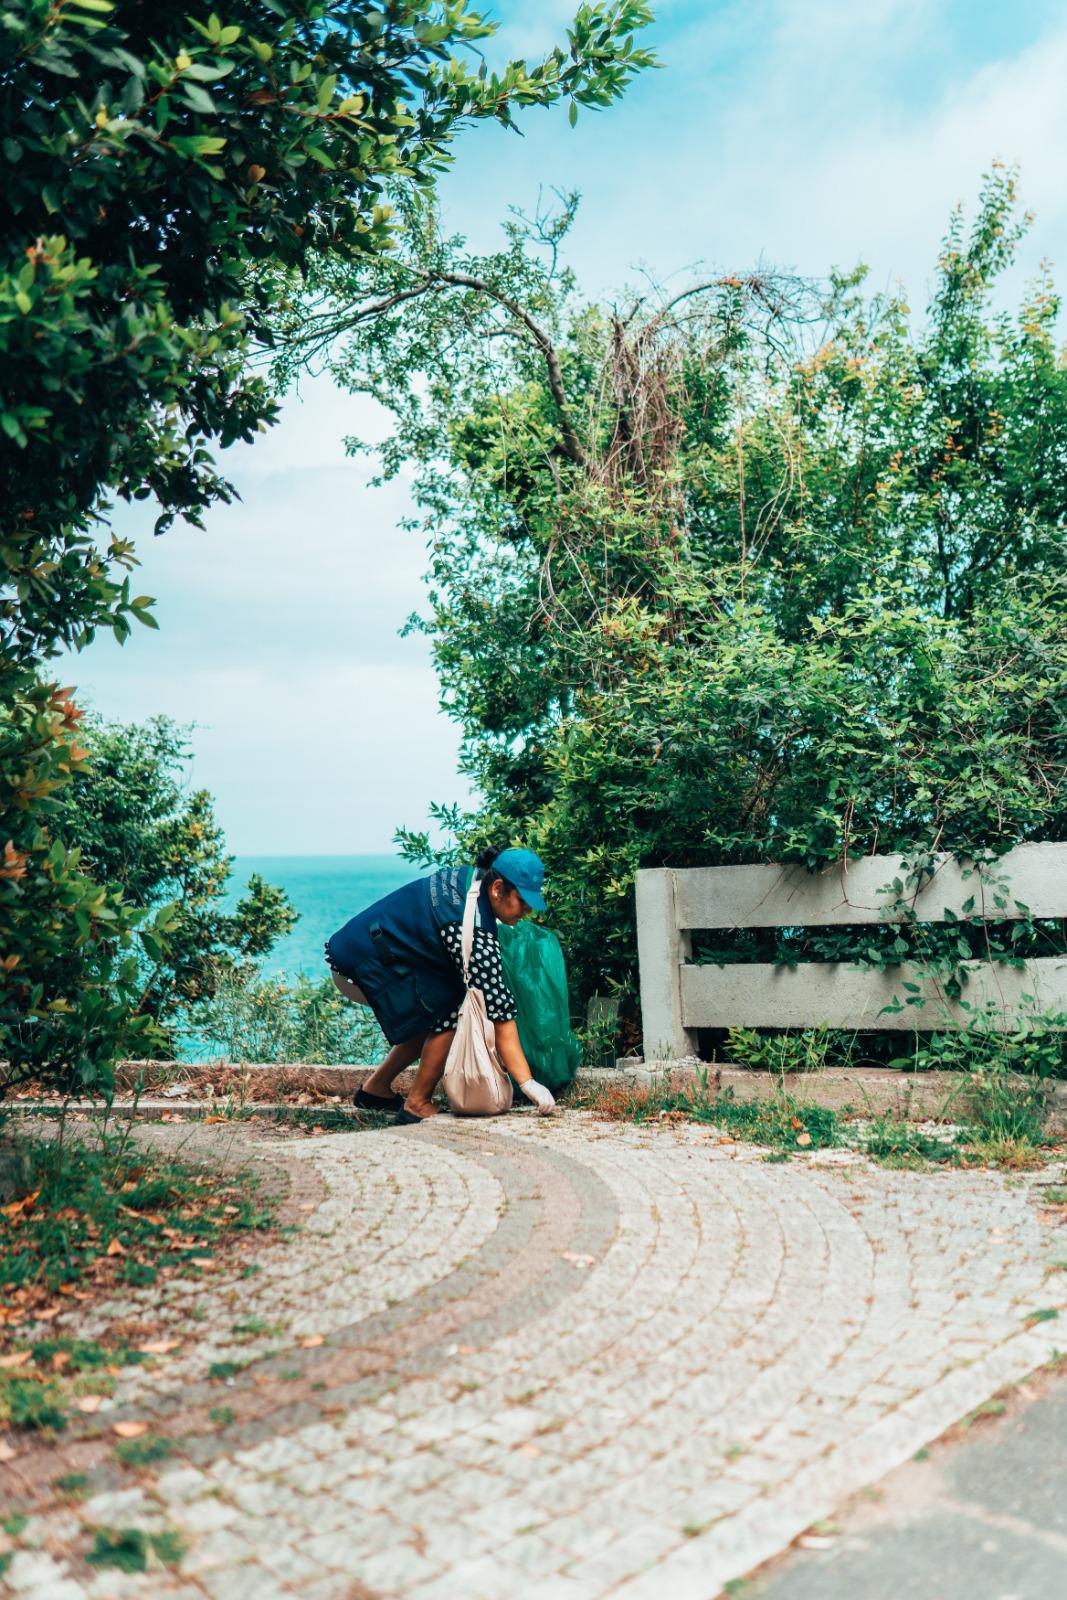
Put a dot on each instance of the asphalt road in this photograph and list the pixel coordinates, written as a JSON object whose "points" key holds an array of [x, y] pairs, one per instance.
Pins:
{"points": [[983, 1517]]}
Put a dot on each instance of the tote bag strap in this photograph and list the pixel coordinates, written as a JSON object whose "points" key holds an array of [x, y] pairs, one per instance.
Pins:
{"points": [[470, 911]]}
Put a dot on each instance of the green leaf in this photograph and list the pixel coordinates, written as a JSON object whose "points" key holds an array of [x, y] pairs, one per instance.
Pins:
{"points": [[573, 113], [198, 98], [198, 144]]}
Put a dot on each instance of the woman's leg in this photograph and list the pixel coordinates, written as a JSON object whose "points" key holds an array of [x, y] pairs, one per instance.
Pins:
{"points": [[431, 1069], [399, 1058]]}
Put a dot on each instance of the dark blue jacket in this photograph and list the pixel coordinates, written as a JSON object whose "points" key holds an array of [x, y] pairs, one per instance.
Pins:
{"points": [[393, 950]]}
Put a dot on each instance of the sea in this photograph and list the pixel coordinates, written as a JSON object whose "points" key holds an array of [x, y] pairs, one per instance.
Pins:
{"points": [[326, 891]]}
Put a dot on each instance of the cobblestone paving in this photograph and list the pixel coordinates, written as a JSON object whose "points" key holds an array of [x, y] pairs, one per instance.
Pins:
{"points": [[555, 1360]]}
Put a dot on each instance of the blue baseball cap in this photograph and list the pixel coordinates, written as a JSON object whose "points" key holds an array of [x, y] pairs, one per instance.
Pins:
{"points": [[527, 872]]}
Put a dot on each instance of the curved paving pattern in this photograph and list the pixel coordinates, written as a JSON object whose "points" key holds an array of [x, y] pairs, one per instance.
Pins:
{"points": [[560, 1360]]}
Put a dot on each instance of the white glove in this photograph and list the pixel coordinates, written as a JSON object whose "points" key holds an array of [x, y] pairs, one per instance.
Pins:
{"points": [[541, 1097]]}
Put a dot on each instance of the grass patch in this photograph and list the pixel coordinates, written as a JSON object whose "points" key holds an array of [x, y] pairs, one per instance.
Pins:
{"points": [[781, 1121], [252, 1326], [1003, 1126], [130, 1549], [72, 1482], [144, 1452], [223, 1415], [91, 1216], [226, 1369], [31, 1403]]}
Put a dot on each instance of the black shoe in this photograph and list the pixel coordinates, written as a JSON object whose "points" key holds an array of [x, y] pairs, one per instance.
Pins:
{"points": [[363, 1100]]}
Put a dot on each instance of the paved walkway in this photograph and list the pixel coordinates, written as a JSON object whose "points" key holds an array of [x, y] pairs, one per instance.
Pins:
{"points": [[551, 1359]]}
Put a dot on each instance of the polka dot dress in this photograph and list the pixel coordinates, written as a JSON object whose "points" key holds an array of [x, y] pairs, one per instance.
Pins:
{"points": [[487, 974]]}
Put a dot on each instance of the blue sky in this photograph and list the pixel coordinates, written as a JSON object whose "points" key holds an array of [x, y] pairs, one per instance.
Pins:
{"points": [[803, 133]]}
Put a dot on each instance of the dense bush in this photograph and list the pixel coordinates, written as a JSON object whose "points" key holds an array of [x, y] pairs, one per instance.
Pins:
{"points": [[250, 1017]]}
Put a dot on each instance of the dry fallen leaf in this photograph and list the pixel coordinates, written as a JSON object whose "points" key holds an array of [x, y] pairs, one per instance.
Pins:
{"points": [[17, 1360], [816, 1541], [88, 1403], [312, 1341], [308, 1207], [116, 1248], [529, 1450], [46, 1316], [201, 1261], [158, 1347], [129, 1430], [578, 1260], [803, 1138], [6, 1452]]}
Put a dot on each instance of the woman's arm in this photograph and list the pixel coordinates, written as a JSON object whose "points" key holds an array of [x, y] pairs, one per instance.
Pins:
{"points": [[510, 1051]]}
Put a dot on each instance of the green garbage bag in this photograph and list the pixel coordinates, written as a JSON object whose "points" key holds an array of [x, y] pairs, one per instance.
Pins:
{"points": [[537, 977]]}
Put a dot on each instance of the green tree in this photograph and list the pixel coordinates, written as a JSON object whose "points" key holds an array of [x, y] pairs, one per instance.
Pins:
{"points": [[753, 571], [157, 165], [135, 823]]}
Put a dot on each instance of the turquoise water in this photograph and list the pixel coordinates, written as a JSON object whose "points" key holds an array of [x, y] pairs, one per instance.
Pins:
{"points": [[326, 891]]}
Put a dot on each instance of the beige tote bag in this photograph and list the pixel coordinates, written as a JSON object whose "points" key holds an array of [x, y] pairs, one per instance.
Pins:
{"points": [[475, 1082]]}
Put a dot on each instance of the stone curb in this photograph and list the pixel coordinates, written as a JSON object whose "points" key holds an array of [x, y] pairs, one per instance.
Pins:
{"points": [[264, 1086]]}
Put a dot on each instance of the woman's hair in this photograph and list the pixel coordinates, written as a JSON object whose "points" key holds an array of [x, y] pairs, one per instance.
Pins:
{"points": [[484, 863]]}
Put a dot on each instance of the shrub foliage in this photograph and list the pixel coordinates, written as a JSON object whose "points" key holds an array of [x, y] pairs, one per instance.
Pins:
{"points": [[756, 570]]}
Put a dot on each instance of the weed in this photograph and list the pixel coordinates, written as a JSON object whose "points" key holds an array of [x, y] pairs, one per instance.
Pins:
{"points": [[6, 1558], [222, 1414], [904, 1144], [693, 1530], [137, 1273], [72, 1482], [14, 1525], [31, 1402], [259, 1325], [988, 1408], [809, 1050], [129, 1549], [226, 1369], [1046, 1314], [83, 1355], [143, 1452]]}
